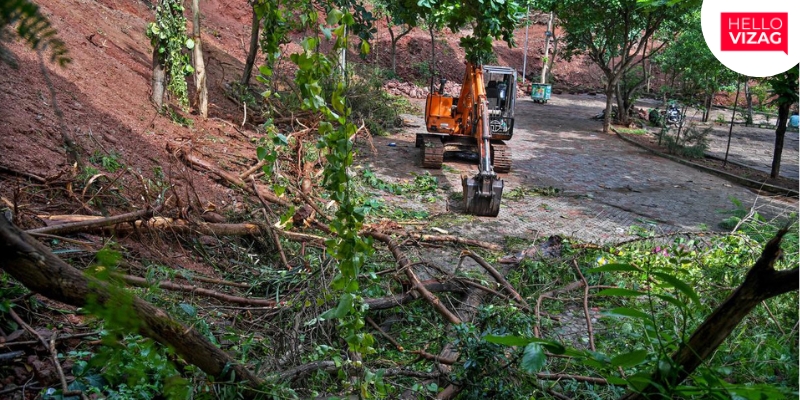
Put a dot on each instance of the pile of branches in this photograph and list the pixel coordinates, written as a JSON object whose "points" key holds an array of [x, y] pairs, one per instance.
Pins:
{"points": [[453, 298]]}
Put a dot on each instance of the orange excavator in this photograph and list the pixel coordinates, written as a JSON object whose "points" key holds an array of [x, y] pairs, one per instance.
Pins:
{"points": [[479, 120]]}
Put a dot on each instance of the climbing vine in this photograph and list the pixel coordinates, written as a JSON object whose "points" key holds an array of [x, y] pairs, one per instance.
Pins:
{"points": [[168, 35], [315, 72]]}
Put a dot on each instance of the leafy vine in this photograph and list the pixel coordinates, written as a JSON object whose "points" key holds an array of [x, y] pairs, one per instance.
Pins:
{"points": [[168, 35]]}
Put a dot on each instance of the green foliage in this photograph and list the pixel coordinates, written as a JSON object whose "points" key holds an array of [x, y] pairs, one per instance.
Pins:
{"points": [[483, 352], [32, 27], [689, 58], [693, 143], [110, 162], [315, 70], [168, 36], [784, 86], [490, 19]]}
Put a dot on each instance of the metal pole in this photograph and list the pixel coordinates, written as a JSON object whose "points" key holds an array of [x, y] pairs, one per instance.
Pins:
{"points": [[525, 57]]}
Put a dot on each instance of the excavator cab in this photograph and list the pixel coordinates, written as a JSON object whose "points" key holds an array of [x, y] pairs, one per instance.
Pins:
{"points": [[501, 95], [479, 120]]}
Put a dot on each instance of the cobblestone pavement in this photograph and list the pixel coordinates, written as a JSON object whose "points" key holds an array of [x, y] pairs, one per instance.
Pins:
{"points": [[608, 189]]}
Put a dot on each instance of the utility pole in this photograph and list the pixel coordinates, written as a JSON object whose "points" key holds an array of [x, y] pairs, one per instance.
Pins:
{"points": [[525, 56], [547, 36]]}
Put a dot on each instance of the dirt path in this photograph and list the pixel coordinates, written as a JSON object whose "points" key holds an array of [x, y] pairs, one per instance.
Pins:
{"points": [[607, 188]]}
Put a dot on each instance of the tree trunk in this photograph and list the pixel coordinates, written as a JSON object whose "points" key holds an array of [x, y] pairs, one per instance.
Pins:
{"points": [[609, 96], [780, 133], [748, 95], [433, 56], [708, 102], [251, 55], [394, 44], [622, 105], [548, 36], [33, 265], [158, 80], [761, 283], [201, 97]]}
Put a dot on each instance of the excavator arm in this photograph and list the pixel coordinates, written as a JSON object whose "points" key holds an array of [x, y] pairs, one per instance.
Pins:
{"points": [[483, 191]]}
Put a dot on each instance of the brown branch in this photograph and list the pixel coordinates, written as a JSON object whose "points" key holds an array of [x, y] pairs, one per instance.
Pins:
{"points": [[167, 285], [498, 277], [384, 334], [53, 354], [585, 304], [403, 262], [27, 175], [387, 302], [33, 265], [455, 239], [435, 358], [95, 223], [233, 179], [579, 378]]}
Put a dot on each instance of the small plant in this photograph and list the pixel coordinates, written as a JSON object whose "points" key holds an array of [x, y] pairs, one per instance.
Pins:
{"points": [[693, 143], [110, 162], [178, 118]]}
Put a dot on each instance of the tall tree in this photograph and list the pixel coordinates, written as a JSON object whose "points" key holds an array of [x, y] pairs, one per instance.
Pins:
{"points": [[201, 98], [613, 33], [688, 58], [397, 14], [784, 87]]}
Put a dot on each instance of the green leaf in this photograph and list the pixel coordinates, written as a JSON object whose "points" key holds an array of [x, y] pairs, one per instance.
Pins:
{"points": [[631, 359], [334, 16], [628, 312], [342, 309], [614, 268], [509, 340], [620, 292], [189, 43], [189, 309], [680, 285], [533, 358], [512, 340], [261, 153]]}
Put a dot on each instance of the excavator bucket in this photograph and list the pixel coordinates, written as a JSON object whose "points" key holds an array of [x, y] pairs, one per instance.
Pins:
{"points": [[482, 194]]}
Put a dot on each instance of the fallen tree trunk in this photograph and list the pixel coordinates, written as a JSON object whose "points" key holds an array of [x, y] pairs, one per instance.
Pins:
{"points": [[761, 283], [33, 265]]}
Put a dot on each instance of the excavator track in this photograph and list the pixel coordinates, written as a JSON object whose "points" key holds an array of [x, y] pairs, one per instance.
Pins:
{"points": [[432, 152], [501, 158]]}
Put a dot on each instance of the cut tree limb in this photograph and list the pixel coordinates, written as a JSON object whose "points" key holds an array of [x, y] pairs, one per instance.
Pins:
{"points": [[233, 179], [761, 283], [403, 262], [33, 265], [167, 285], [98, 222], [455, 239], [497, 277]]}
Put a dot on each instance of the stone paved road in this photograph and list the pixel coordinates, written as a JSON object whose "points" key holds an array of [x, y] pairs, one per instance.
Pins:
{"points": [[608, 187]]}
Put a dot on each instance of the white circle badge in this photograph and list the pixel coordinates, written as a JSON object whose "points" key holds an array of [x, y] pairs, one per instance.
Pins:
{"points": [[756, 39]]}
